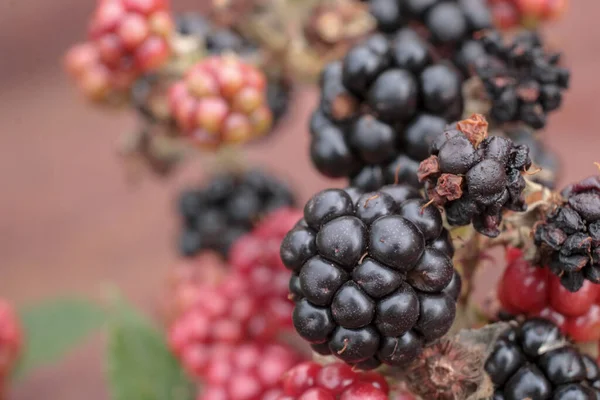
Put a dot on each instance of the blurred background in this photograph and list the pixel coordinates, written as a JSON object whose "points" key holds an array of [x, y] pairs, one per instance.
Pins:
{"points": [[70, 221]]}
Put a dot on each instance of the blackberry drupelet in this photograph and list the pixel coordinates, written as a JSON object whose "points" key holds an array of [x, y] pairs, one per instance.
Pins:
{"points": [[475, 177], [380, 108], [229, 206], [523, 82], [568, 239], [542, 157], [444, 22], [534, 361], [373, 278]]}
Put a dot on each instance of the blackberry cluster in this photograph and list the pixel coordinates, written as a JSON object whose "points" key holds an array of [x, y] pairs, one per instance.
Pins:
{"points": [[445, 22], [542, 157], [568, 239], [373, 278], [475, 177], [534, 361], [380, 108], [229, 206], [523, 82]]}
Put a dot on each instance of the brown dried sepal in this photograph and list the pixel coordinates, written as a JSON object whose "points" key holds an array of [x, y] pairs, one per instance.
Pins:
{"points": [[430, 167], [448, 188], [474, 128]]}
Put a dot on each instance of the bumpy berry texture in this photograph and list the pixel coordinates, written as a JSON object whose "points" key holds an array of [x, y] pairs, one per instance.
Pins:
{"points": [[534, 361], [380, 107], [11, 339], [568, 239], [509, 14], [228, 313], [126, 39], [248, 371], [215, 215], [337, 381], [256, 257], [218, 40], [445, 22], [475, 177], [524, 83], [543, 158], [221, 100], [373, 278], [534, 291], [187, 278]]}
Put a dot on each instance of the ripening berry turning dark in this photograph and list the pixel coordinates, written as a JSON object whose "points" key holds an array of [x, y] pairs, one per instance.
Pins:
{"points": [[227, 207], [475, 177], [373, 278], [534, 361], [568, 238]]}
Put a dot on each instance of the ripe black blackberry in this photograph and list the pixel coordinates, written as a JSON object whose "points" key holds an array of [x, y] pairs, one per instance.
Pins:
{"points": [[523, 82], [568, 239], [534, 361], [542, 157], [380, 108], [373, 278], [475, 177], [445, 22], [229, 206]]}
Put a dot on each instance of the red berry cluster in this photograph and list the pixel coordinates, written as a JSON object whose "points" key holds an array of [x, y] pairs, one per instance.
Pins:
{"points": [[256, 257], [513, 13], [10, 341], [533, 291], [187, 279], [250, 371], [126, 38], [225, 332], [221, 100], [312, 381]]}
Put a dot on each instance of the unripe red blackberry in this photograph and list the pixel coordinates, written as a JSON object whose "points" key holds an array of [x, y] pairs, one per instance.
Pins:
{"points": [[336, 381], [250, 371], [533, 360], [475, 177], [256, 257], [225, 314], [126, 39], [371, 277], [11, 341], [221, 100]]}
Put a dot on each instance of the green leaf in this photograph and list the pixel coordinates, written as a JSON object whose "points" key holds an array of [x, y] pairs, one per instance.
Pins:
{"points": [[55, 327], [140, 365]]}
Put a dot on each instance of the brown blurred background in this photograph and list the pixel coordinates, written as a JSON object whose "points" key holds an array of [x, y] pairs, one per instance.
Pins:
{"points": [[69, 221]]}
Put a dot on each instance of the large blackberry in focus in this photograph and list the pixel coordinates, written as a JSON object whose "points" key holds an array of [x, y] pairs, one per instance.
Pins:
{"points": [[568, 239], [475, 177], [534, 361], [229, 206], [373, 278], [380, 109], [523, 82]]}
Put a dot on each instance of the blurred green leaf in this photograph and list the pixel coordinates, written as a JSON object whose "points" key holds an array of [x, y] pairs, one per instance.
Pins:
{"points": [[55, 327], [140, 365]]}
